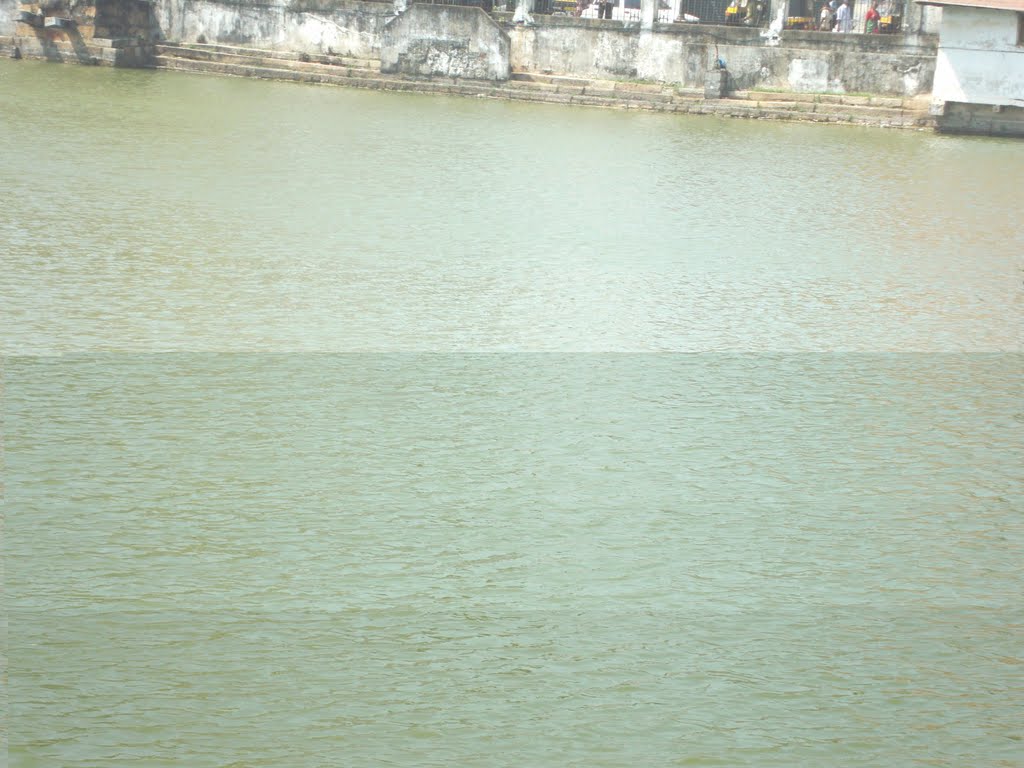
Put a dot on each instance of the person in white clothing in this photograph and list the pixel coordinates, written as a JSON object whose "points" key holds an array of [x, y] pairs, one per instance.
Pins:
{"points": [[844, 19]]}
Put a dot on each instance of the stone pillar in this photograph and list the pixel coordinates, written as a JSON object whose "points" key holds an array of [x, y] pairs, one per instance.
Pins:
{"points": [[648, 13], [920, 19], [716, 81]]}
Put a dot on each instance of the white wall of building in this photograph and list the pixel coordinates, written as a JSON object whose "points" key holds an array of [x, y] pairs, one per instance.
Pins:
{"points": [[979, 59]]}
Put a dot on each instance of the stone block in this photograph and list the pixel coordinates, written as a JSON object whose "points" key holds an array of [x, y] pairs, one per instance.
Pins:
{"points": [[715, 83]]}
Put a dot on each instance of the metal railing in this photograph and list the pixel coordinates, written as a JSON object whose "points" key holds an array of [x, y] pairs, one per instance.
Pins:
{"points": [[801, 14], [629, 10], [487, 5], [713, 11], [806, 14]]}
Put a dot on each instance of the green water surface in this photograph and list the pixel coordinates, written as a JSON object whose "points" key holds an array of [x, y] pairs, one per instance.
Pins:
{"points": [[349, 428]]}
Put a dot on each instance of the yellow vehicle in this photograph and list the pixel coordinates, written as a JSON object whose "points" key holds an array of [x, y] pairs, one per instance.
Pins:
{"points": [[891, 23]]}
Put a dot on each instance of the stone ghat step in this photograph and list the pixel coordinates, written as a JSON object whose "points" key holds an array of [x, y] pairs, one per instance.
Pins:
{"points": [[604, 89], [881, 107], [352, 77], [878, 108], [252, 59], [893, 102], [853, 111], [588, 95], [211, 52], [553, 80], [359, 78], [376, 80], [619, 86], [716, 107], [605, 93]]}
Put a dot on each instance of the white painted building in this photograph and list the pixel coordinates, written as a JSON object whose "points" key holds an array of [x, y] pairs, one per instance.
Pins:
{"points": [[979, 72]]}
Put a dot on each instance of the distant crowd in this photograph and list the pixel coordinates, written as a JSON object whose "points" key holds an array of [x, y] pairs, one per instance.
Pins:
{"points": [[836, 16]]}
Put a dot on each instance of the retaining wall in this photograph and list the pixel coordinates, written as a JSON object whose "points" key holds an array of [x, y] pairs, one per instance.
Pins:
{"points": [[445, 41], [682, 53], [342, 27], [450, 41], [8, 13], [112, 32]]}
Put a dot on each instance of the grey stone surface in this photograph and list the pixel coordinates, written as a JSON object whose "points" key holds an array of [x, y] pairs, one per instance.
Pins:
{"points": [[448, 41], [981, 119], [9, 13], [715, 83], [683, 53], [343, 27]]}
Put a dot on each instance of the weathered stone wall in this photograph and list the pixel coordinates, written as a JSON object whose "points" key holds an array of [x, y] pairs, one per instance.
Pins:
{"points": [[451, 41], [820, 62], [125, 18], [444, 40], [113, 32], [343, 27], [681, 53], [981, 119], [8, 13]]}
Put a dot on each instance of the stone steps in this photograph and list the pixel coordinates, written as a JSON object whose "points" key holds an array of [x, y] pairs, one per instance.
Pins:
{"points": [[564, 80], [356, 72], [824, 98], [619, 87], [359, 78], [879, 109], [297, 71], [855, 111], [337, 65], [231, 54], [880, 113]]}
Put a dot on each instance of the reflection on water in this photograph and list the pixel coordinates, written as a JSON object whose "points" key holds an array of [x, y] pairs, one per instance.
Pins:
{"points": [[487, 434]]}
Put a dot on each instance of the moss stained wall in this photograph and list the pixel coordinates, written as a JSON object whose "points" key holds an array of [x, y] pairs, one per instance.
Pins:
{"points": [[344, 27], [681, 53]]}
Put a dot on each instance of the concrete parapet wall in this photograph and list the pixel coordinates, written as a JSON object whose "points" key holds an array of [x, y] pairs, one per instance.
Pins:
{"points": [[445, 40], [342, 27]]}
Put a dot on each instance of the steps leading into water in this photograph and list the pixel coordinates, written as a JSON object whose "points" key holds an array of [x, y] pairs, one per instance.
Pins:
{"points": [[358, 72], [231, 54]]}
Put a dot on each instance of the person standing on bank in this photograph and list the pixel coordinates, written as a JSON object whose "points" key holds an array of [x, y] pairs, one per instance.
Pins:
{"points": [[872, 19], [844, 19], [604, 9], [826, 19]]}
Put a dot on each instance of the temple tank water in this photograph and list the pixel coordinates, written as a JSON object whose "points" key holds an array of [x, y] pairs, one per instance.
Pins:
{"points": [[355, 428]]}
